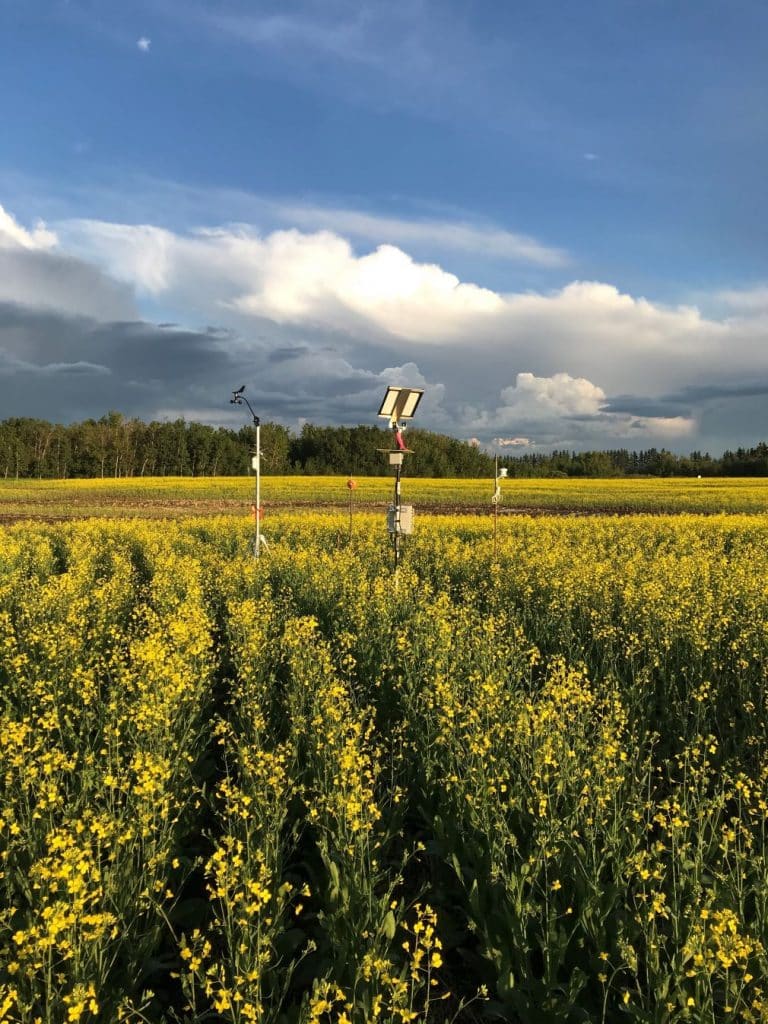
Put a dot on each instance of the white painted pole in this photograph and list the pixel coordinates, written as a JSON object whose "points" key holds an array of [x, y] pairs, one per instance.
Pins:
{"points": [[397, 516], [257, 551]]}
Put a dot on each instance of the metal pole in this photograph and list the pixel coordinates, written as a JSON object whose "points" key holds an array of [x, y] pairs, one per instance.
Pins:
{"points": [[495, 507], [258, 490], [238, 398], [397, 516]]}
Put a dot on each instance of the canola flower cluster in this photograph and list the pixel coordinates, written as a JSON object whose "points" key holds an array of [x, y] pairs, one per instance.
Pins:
{"points": [[526, 780]]}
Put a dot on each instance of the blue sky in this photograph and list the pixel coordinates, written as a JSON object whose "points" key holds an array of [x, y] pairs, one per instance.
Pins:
{"points": [[551, 215]]}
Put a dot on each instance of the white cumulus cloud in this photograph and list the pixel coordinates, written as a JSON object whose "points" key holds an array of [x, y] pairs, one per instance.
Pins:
{"points": [[289, 276], [318, 279], [560, 394], [511, 442], [12, 234], [590, 364], [668, 427], [746, 300], [573, 409], [308, 277]]}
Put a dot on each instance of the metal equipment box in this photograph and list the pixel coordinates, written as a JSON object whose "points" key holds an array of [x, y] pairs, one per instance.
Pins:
{"points": [[406, 520]]}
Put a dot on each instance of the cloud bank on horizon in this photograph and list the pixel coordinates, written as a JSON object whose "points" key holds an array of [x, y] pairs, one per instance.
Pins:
{"points": [[550, 217], [320, 328]]}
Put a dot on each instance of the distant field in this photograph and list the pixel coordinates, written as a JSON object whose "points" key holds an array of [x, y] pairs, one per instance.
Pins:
{"points": [[182, 496]]}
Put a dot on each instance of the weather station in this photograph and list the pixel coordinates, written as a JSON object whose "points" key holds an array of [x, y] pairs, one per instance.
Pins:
{"points": [[259, 541], [398, 407]]}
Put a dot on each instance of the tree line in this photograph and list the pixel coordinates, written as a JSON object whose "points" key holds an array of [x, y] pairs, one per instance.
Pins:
{"points": [[117, 446], [649, 462]]}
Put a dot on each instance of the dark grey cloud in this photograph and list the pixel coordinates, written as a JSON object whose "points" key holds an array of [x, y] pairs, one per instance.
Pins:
{"points": [[686, 401], [732, 422], [639, 405], [288, 353], [53, 280], [707, 392], [66, 368]]}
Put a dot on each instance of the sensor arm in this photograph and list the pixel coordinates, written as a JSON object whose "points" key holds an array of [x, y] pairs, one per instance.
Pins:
{"points": [[238, 398]]}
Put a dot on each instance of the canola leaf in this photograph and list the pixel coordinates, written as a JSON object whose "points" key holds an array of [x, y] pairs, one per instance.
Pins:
{"points": [[506, 983], [474, 899], [333, 871], [457, 865], [389, 925]]}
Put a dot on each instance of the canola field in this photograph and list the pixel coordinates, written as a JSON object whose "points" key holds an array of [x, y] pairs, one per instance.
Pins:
{"points": [[523, 782], [165, 497]]}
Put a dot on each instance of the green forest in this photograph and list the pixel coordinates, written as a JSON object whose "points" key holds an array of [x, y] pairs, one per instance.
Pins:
{"points": [[116, 446]]}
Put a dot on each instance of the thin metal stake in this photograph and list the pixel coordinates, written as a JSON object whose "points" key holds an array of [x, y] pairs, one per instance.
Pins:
{"points": [[238, 398], [495, 500], [257, 550], [397, 516]]}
